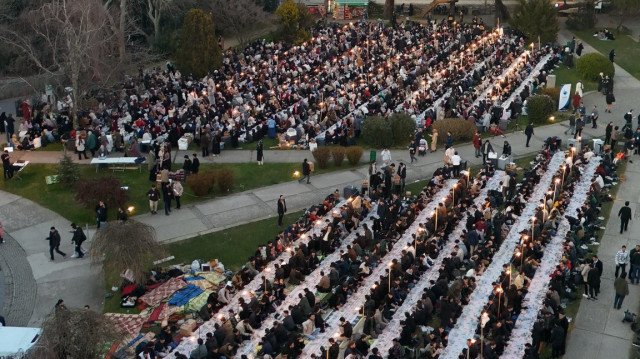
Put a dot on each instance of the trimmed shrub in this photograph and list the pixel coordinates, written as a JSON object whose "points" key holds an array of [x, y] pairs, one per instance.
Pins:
{"points": [[376, 132], [107, 189], [461, 129], [539, 108], [338, 153], [225, 180], [403, 128], [201, 183], [553, 92], [590, 66], [322, 156], [354, 154]]}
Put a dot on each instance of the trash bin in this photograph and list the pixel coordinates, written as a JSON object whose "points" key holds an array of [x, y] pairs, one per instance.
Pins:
{"points": [[372, 156], [598, 144]]}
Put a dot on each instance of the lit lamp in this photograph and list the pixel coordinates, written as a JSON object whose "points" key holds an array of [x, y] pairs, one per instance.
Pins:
{"points": [[499, 291], [555, 190], [390, 264], [453, 195], [130, 209], [267, 270], [296, 174], [435, 213], [533, 224], [473, 341]]}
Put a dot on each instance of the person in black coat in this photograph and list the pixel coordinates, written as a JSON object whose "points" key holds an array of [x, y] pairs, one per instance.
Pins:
{"points": [[625, 216], [506, 150], [54, 243], [306, 171], [593, 280], [282, 209], [528, 131], [101, 213], [167, 193], [195, 164], [78, 238], [557, 341], [260, 153], [186, 166]]}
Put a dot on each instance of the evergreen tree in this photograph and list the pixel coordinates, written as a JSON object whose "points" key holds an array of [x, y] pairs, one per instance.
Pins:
{"points": [[536, 18], [198, 51], [68, 171]]}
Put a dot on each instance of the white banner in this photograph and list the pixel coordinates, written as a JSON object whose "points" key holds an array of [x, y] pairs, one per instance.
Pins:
{"points": [[565, 97]]}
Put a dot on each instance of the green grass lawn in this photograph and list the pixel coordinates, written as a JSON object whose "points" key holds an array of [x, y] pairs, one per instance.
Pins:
{"points": [[627, 50], [60, 198], [571, 76], [232, 247]]}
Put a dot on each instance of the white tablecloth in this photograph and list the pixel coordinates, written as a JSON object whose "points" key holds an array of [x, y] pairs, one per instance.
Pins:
{"points": [[466, 326], [350, 311], [537, 290], [113, 160], [393, 329]]}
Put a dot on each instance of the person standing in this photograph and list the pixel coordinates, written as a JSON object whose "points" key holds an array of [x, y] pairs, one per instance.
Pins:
{"points": [[634, 259], [607, 133], [402, 172], [506, 149], [579, 49], [186, 167], [167, 193], [477, 143], [448, 141], [625, 216], [614, 139], [78, 238], [486, 149], [195, 164], [260, 153], [178, 190], [80, 147], [385, 154], [101, 214], [456, 160], [593, 280], [9, 128], [622, 258], [412, 153], [54, 243], [594, 117], [622, 290], [528, 131], [306, 171], [282, 209], [612, 55], [572, 124], [1, 234], [153, 195], [434, 140]]}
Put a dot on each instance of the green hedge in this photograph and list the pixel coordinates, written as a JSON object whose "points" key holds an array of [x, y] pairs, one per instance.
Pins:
{"points": [[591, 65], [539, 108], [380, 132], [460, 129]]}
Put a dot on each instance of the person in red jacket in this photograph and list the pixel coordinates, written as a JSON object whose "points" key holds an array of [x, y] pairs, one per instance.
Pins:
{"points": [[477, 143]]}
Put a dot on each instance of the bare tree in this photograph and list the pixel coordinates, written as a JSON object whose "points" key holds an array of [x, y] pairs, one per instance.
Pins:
{"points": [[155, 10], [75, 333], [125, 246], [70, 40], [239, 18]]}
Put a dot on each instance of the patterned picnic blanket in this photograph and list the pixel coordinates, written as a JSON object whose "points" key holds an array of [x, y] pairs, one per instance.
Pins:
{"points": [[154, 297], [128, 323]]}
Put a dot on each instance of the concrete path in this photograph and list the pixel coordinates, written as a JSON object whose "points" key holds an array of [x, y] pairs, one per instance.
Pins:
{"points": [[33, 284], [599, 331]]}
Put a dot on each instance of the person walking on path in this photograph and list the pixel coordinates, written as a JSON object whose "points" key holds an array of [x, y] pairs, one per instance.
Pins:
{"points": [[634, 259], [54, 243], [607, 133], [622, 258], [528, 131], [101, 214], [402, 172], [622, 290], [610, 99], [306, 171], [282, 209], [572, 125], [448, 141], [78, 238], [412, 153], [614, 139], [260, 153], [186, 167], [477, 143], [625, 216], [153, 195], [612, 55], [81, 147]]}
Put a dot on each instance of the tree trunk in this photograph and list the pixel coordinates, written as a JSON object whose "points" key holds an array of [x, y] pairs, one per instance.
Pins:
{"points": [[75, 87], [156, 27], [389, 6], [122, 29]]}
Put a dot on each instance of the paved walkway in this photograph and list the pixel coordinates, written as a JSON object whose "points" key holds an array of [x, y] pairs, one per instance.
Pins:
{"points": [[598, 330], [32, 283]]}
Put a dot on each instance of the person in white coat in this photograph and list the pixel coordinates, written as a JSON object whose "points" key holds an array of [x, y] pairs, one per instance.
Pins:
{"points": [[579, 88]]}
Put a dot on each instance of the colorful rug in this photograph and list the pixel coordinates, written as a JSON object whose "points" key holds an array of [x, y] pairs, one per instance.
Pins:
{"points": [[154, 297], [128, 323]]}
